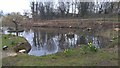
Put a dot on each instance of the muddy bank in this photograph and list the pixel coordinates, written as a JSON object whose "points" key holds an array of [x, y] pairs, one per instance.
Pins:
{"points": [[94, 24], [77, 23], [13, 51], [21, 46]]}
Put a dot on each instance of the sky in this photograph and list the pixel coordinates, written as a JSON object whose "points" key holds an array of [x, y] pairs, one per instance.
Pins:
{"points": [[9, 6]]}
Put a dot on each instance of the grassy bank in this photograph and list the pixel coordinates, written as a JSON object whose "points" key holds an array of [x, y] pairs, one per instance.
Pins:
{"points": [[11, 40], [107, 57]]}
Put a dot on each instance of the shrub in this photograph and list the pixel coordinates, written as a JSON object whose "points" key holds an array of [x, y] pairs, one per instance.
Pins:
{"points": [[92, 48], [54, 57], [68, 52], [89, 48]]}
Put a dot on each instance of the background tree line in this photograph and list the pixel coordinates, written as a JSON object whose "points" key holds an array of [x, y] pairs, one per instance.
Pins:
{"points": [[74, 9]]}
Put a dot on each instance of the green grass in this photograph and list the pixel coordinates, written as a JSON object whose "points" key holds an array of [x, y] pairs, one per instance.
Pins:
{"points": [[77, 58], [10, 40]]}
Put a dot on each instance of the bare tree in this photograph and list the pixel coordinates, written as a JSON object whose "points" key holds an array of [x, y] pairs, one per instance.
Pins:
{"points": [[82, 8], [62, 9], [33, 9], [49, 9], [41, 9], [67, 8], [46, 10]]}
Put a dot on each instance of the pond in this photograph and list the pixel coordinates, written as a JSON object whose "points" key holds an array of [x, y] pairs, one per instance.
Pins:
{"points": [[52, 40]]}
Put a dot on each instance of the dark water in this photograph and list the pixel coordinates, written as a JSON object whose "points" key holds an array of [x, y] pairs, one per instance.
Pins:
{"points": [[51, 40]]}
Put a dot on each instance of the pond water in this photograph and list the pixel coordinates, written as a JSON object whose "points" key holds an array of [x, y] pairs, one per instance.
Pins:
{"points": [[51, 40]]}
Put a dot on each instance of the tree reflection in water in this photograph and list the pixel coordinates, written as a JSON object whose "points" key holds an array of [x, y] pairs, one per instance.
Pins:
{"points": [[45, 42], [48, 43]]}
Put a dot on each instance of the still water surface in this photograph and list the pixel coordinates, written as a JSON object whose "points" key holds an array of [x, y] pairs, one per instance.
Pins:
{"points": [[50, 40]]}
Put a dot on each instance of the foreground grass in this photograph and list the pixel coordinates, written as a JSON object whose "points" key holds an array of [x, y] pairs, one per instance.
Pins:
{"points": [[107, 57]]}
